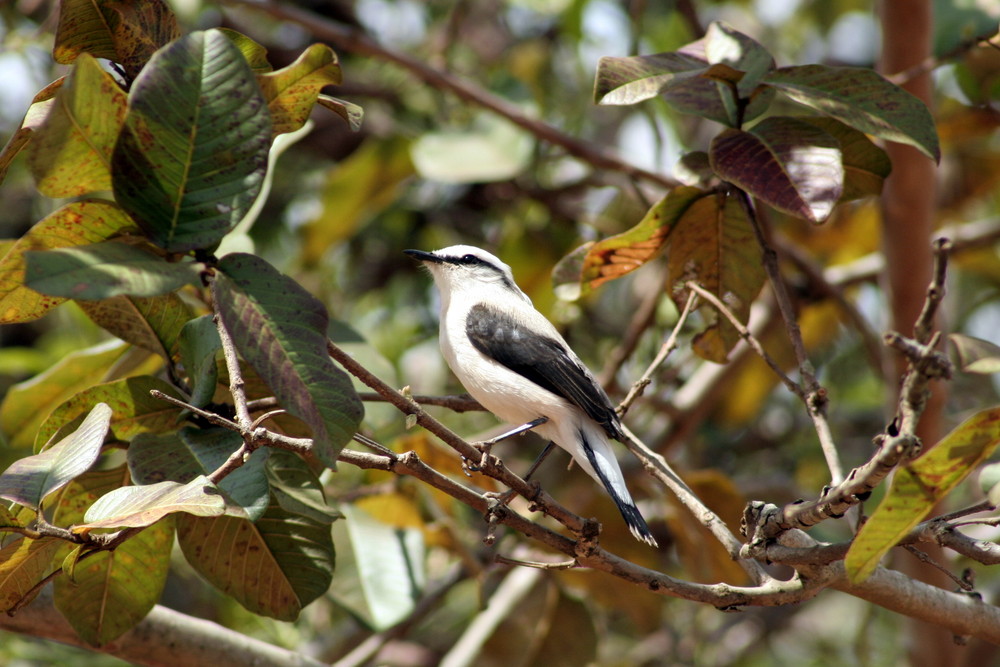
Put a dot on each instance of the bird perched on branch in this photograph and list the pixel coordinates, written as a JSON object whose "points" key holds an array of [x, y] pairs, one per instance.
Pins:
{"points": [[514, 362]]}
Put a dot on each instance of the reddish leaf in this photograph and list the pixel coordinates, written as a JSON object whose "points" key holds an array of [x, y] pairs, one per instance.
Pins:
{"points": [[713, 244], [793, 166], [623, 253]]}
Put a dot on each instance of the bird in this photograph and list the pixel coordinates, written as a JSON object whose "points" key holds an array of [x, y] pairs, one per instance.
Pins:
{"points": [[512, 360]]}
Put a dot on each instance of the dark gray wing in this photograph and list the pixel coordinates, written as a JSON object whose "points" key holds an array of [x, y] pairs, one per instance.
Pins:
{"points": [[543, 360]]}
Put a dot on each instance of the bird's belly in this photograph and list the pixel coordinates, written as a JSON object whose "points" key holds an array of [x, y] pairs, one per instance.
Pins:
{"points": [[508, 395]]}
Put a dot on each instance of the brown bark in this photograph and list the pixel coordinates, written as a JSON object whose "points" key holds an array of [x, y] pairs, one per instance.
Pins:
{"points": [[908, 204]]}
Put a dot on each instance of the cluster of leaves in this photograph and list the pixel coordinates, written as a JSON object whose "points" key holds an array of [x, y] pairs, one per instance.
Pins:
{"points": [[164, 161], [802, 165]]}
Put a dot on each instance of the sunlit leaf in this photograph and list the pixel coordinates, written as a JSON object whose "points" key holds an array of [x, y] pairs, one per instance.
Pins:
{"points": [[725, 46], [138, 506], [292, 91], [71, 152], [79, 223], [152, 323], [134, 411], [105, 270], [199, 348], [713, 244], [280, 329], [350, 112], [273, 567], [866, 166], [193, 153], [109, 592], [125, 32], [41, 104], [382, 568], [31, 478], [975, 354], [918, 486], [28, 403], [194, 452], [254, 52], [793, 166], [863, 99], [632, 79], [24, 563], [623, 253]]}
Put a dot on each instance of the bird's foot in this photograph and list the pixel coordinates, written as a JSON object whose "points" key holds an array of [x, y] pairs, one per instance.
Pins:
{"points": [[469, 467]]}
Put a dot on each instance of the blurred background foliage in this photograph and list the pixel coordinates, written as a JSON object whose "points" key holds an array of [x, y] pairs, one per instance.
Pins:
{"points": [[428, 170]]}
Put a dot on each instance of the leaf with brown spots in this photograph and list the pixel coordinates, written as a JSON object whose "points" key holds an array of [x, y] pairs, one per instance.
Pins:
{"points": [[863, 99], [919, 486], [273, 567], [713, 244], [623, 253], [80, 223], [124, 32]]}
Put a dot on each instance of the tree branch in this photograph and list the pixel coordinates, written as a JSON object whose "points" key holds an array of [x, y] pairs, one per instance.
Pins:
{"points": [[354, 40], [164, 638]]}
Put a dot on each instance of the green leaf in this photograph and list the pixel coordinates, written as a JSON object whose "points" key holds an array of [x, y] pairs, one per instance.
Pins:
{"points": [[291, 92], [30, 479], [124, 32], [71, 152], [254, 53], [862, 99], [273, 567], [350, 112], [382, 568], [623, 253], [280, 330], [199, 349], [866, 166], [109, 592], [134, 411], [976, 355], [712, 243], [150, 323], [28, 403], [79, 223], [105, 270], [917, 487], [192, 453], [24, 563], [193, 153], [139, 506], [793, 166], [725, 46], [296, 489], [41, 104], [633, 79]]}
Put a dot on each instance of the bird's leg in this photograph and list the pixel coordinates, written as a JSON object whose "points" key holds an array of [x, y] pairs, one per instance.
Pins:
{"points": [[505, 497], [486, 445]]}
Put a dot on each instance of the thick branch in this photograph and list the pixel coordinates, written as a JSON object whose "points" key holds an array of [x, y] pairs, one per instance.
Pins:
{"points": [[164, 638]]}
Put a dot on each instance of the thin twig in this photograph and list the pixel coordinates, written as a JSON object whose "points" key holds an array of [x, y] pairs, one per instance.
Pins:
{"points": [[745, 334], [668, 346]]}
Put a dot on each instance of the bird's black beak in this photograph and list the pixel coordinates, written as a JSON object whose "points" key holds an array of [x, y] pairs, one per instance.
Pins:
{"points": [[424, 256]]}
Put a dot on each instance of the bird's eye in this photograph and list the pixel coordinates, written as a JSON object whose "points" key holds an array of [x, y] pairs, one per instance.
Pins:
{"points": [[470, 258]]}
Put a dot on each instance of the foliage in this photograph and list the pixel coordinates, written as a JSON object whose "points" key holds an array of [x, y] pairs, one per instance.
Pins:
{"points": [[218, 417]]}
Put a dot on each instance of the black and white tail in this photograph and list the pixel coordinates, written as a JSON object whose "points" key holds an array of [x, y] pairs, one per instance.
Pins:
{"points": [[611, 477]]}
